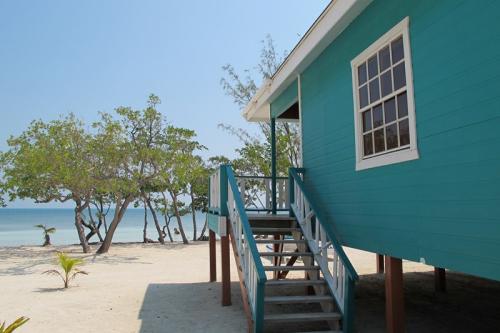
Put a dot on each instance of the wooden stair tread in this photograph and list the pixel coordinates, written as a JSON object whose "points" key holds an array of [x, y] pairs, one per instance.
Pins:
{"points": [[267, 217], [285, 254], [298, 299], [260, 231], [321, 332], [291, 268], [280, 241], [295, 282], [302, 317]]}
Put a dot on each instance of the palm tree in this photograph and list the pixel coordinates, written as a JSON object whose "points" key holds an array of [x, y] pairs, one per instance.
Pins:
{"points": [[20, 321], [46, 233], [68, 265]]}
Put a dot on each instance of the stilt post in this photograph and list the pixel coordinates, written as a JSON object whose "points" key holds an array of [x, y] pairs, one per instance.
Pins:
{"points": [[440, 279], [226, 273], [394, 295], [380, 263], [213, 259], [273, 165]]}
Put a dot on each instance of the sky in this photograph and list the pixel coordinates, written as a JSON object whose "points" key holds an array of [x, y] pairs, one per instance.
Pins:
{"points": [[88, 56]]}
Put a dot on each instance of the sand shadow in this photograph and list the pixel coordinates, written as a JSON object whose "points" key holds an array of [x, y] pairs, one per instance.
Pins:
{"points": [[191, 307], [48, 290], [471, 304]]}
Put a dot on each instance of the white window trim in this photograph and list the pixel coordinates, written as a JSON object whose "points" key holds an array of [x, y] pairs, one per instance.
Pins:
{"points": [[408, 154]]}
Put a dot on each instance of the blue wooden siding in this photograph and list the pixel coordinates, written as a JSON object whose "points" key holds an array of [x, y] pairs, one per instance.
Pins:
{"points": [[445, 206], [285, 100]]}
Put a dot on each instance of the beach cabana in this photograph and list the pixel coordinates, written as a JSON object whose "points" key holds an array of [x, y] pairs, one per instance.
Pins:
{"points": [[397, 103]]}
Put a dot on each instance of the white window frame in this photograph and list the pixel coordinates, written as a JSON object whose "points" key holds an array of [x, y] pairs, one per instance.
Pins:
{"points": [[399, 155]]}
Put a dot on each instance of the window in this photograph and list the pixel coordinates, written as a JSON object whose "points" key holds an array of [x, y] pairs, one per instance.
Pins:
{"points": [[384, 112]]}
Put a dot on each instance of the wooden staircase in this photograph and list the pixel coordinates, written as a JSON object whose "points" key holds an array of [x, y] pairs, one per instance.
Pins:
{"points": [[296, 298]]}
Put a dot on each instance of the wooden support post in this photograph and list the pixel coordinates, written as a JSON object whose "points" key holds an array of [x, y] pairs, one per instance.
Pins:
{"points": [[273, 166], [440, 279], [276, 260], [226, 273], [212, 255], [380, 263], [394, 295]]}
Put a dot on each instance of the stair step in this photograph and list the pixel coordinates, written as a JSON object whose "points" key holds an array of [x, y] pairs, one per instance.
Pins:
{"points": [[321, 332], [280, 241], [274, 231], [302, 317], [285, 254], [297, 299], [295, 283], [291, 268]]}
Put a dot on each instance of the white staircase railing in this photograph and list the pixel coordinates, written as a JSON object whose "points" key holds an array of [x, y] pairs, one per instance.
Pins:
{"points": [[337, 270]]}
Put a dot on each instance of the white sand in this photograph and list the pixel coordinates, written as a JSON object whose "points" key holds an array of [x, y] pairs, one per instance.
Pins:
{"points": [[134, 288], [154, 288]]}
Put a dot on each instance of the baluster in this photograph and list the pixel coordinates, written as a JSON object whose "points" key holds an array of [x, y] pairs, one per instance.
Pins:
{"points": [[335, 269], [324, 247]]}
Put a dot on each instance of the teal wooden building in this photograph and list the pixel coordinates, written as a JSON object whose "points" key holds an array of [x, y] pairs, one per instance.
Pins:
{"points": [[398, 105]]}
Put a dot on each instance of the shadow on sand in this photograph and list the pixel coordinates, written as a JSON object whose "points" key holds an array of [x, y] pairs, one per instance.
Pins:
{"points": [[190, 307], [470, 304]]}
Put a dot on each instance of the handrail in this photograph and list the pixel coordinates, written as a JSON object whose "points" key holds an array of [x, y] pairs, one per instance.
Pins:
{"points": [[338, 247], [253, 270], [258, 177], [337, 270]]}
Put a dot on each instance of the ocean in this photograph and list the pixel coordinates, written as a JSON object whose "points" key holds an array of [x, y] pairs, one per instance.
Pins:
{"points": [[17, 226]]}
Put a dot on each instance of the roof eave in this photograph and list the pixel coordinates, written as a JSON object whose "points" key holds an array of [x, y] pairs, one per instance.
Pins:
{"points": [[329, 25]]}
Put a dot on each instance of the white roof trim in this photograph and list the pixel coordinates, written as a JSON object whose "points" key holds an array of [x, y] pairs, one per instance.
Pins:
{"points": [[330, 24]]}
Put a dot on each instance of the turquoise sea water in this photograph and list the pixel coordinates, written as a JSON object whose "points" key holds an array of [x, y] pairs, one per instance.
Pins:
{"points": [[16, 226]]}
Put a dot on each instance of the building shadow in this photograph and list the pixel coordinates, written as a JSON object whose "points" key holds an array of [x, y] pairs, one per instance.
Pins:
{"points": [[471, 304], [191, 307]]}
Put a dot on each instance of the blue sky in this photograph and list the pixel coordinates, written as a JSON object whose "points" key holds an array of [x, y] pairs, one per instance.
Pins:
{"points": [[88, 56]]}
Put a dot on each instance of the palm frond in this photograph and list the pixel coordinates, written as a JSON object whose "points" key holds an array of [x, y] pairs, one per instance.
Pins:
{"points": [[41, 226], [50, 230], [9, 329]]}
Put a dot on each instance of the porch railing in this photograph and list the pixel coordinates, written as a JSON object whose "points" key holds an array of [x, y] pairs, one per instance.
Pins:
{"points": [[256, 193], [224, 184], [335, 266]]}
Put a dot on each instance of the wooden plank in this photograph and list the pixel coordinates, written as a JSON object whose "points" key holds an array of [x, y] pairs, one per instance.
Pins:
{"points": [[294, 282], [302, 317], [212, 255], [291, 268], [285, 254], [394, 295], [282, 241], [297, 299], [440, 279], [226, 274]]}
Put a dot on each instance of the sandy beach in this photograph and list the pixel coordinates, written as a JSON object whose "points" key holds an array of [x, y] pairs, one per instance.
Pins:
{"points": [[154, 288]]}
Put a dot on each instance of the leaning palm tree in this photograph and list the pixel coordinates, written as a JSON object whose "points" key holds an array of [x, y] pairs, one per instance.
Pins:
{"points": [[46, 233], [69, 267], [20, 321]]}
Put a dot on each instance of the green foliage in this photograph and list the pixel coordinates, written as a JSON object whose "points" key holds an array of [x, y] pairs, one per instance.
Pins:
{"points": [[12, 327], [45, 229], [69, 268], [255, 154]]}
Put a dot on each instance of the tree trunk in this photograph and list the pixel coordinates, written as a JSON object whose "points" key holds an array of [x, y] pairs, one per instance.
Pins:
{"points": [[179, 221], [167, 220], [193, 212], [94, 229], [145, 230], [119, 212], [47, 240], [161, 239], [79, 227], [202, 235]]}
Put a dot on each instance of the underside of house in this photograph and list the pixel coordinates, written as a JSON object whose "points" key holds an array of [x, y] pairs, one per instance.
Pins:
{"points": [[397, 104]]}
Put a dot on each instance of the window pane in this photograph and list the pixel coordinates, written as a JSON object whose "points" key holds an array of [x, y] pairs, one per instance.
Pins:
{"points": [[384, 58], [372, 67], [362, 74], [363, 96], [368, 144], [378, 119], [367, 120], [390, 110], [374, 90], [379, 140], [391, 133], [404, 133], [402, 105], [386, 83], [399, 76], [397, 50]]}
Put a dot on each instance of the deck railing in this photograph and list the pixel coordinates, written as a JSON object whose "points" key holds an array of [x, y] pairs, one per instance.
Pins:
{"points": [[225, 186], [335, 266], [256, 193]]}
